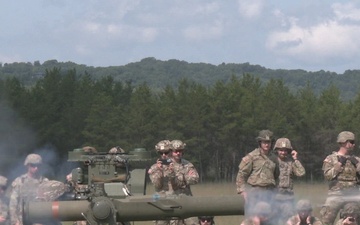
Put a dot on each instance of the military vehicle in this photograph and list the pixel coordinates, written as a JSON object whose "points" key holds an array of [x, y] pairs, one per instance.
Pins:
{"points": [[110, 188]]}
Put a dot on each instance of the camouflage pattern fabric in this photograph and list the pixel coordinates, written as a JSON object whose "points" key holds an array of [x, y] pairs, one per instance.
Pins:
{"points": [[50, 190], [24, 188], [294, 220], [4, 210], [285, 193], [185, 175], [160, 178], [175, 178], [343, 185], [255, 169]]}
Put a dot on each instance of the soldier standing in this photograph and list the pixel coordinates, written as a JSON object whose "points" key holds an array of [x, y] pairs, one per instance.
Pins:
{"points": [[4, 202], [255, 180], [289, 166], [183, 176], [304, 215], [24, 188], [341, 169], [160, 171]]}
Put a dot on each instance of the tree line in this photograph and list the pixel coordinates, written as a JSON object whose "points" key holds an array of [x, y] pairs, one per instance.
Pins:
{"points": [[219, 123], [158, 74]]}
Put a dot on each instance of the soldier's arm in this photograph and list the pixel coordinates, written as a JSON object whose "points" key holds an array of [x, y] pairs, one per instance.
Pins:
{"points": [[14, 202], [245, 168], [298, 168], [358, 164], [156, 176], [331, 169], [191, 175]]}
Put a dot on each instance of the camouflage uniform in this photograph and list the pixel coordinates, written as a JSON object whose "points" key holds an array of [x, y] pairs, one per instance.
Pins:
{"points": [[257, 170], [342, 186], [350, 210], [288, 168], [184, 175], [24, 189], [304, 210], [4, 202], [160, 176], [51, 190]]}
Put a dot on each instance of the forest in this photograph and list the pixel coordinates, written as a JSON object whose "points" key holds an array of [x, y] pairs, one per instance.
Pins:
{"points": [[66, 109]]}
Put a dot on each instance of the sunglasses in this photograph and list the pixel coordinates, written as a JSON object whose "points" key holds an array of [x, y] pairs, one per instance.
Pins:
{"points": [[351, 141], [164, 153], [206, 220]]}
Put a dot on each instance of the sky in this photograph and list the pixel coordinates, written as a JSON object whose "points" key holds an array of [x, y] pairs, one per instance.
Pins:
{"points": [[277, 34]]}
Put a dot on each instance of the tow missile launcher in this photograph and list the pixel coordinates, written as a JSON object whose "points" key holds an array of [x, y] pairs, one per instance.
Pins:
{"points": [[110, 188]]}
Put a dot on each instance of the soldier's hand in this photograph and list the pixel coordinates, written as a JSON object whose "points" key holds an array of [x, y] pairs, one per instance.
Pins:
{"points": [[294, 154], [349, 221], [353, 160], [342, 159]]}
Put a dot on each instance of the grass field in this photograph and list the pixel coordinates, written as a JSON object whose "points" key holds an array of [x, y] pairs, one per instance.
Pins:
{"points": [[316, 193]]}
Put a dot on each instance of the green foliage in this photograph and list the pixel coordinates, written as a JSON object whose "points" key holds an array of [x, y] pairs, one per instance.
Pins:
{"points": [[218, 119]]}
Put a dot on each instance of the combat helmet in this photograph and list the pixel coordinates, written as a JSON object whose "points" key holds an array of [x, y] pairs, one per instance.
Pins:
{"points": [[116, 149], [163, 146], [265, 135], [345, 136], [89, 149], [303, 205], [350, 209], [282, 143], [33, 159], [177, 145]]}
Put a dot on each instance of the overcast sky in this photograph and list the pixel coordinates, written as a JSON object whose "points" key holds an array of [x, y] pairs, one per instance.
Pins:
{"points": [[308, 34]]}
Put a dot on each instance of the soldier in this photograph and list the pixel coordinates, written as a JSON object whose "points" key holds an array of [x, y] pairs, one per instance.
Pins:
{"points": [[262, 215], [183, 176], [160, 172], [4, 202], [206, 220], [341, 169], [304, 215], [349, 215], [256, 177], [289, 166], [24, 188]]}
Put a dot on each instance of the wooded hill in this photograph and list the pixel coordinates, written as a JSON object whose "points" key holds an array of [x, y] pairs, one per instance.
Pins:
{"points": [[216, 110], [158, 74]]}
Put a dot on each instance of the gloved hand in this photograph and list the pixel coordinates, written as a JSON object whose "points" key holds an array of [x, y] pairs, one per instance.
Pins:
{"points": [[353, 160], [342, 159]]}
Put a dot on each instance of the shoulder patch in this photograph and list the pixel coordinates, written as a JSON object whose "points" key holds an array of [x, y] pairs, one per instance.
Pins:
{"points": [[246, 159], [327, 160]]}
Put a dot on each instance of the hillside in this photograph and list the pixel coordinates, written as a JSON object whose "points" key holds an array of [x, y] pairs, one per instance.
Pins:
{"points": [[158, 74]]}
